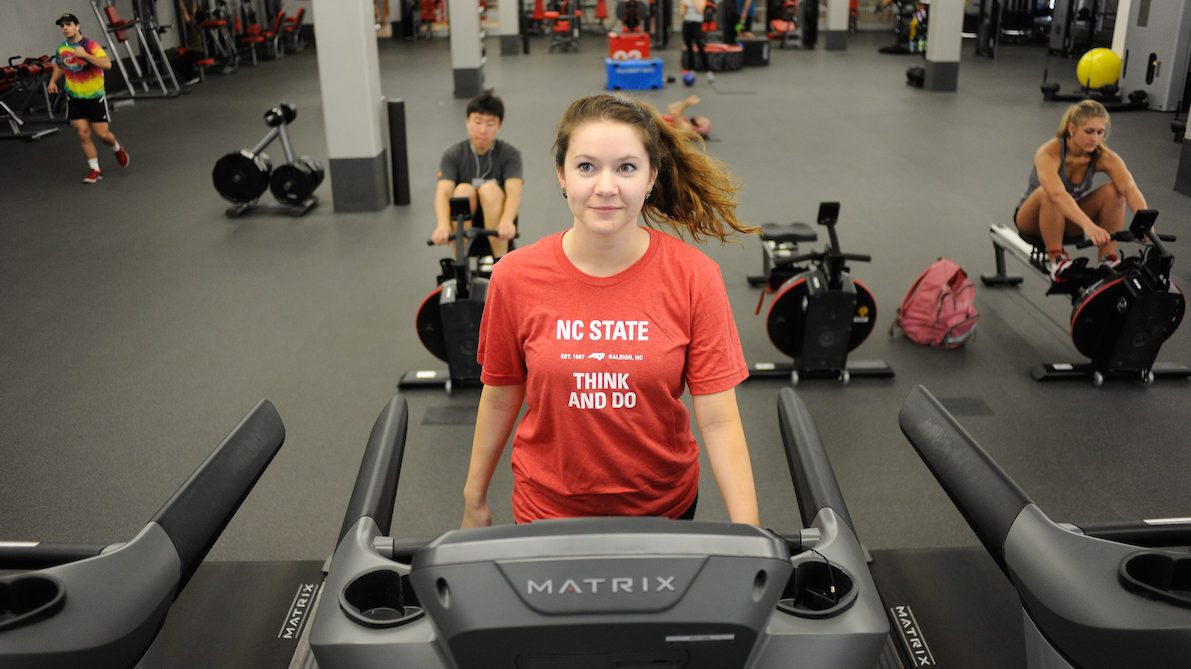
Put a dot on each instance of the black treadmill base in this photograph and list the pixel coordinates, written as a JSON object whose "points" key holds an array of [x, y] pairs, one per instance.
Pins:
{"points": [[238, 614], [950, 607]]}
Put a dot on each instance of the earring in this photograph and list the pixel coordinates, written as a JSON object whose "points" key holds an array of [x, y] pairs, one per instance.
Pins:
{"points": [[564, 193], [649, 195]]}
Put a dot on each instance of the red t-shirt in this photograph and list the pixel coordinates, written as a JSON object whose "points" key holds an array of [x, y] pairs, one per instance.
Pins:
{"points": [[605, 362]]}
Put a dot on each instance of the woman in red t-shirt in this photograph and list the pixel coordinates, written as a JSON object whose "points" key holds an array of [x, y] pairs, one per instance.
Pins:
{"points": [[600, 329]]}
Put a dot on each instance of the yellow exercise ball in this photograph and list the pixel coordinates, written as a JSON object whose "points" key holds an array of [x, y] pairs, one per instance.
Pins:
{"points": [[1098, 67]]}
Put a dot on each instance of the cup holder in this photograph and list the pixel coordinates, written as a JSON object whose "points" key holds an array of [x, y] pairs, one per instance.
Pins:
{"points": [[26, 598], [380, 598], [1165, 576], [817, 589]]}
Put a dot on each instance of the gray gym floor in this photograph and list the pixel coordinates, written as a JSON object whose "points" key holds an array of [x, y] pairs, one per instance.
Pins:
{"points": [[141, 324]]}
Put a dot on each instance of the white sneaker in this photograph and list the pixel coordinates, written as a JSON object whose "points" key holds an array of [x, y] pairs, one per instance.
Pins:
{"points": [[1058, 265]]}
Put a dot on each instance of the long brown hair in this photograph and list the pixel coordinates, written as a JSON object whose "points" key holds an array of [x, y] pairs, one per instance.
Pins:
{"points": [[693, 194]]}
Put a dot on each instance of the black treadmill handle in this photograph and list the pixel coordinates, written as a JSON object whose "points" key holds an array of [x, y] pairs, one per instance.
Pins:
{"points": [[39, 554], [1147, 533], [814, 480], [373, 495], [197, 513], [987, 497]]}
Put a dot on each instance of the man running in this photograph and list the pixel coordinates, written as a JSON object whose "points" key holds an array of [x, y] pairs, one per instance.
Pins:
{"points": [[83, 61]]}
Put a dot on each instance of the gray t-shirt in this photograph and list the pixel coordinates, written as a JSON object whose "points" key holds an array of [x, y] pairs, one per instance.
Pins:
{"points": [[461, 164]]}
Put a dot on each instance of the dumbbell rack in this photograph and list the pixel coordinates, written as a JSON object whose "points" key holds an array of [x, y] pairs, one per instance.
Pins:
{"points": [[243, 176]]}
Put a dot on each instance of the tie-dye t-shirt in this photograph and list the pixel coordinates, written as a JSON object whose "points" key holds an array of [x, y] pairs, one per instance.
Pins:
{"points": [[83, 80]]}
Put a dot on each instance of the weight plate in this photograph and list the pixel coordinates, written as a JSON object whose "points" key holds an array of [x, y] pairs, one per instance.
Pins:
{"points": [[242, 177], [292, 183], [315, 167]]}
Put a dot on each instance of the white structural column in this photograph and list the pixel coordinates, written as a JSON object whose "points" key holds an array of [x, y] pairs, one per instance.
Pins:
{"points": [[943, 41], [510, 27], [1121, 27], [836, 36], [467, 47], [353, 111]]}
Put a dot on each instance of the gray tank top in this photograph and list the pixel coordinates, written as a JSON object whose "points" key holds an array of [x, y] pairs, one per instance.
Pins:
{"points": [[1077, 191]]}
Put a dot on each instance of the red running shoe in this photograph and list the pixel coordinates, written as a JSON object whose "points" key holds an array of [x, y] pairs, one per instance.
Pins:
{"points": [[1110, 261], [122, 157], [1058, 265], [92, 177]]}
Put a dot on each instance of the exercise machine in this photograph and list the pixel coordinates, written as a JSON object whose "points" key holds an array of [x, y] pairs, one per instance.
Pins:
{"points": [[564, 21], [819, 313], [70, 605], [909, 28], [219, 38], [1079, 25], [448, 320], [1078, 30], [1157, 53], [1108, 95], [1120, 318], [117, 29], [241, 177], [1093, 595], [599, 592], [1015, 20], [22, 86]]}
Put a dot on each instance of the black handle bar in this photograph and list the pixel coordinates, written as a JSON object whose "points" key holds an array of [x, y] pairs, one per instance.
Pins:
{"points": [[986, 496], [1127, 236], [197, 513], [824, 255], [814, 480], [373, 495], [1153, 533], [472, 233], [105, 611]]}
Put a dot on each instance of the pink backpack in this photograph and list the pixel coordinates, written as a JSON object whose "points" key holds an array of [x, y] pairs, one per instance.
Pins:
{"points": [[939, 310]]}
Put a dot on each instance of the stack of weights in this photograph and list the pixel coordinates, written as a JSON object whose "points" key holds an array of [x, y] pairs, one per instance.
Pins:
{"points": [[241, 177]]}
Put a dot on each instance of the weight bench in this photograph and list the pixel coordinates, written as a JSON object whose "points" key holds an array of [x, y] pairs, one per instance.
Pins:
{"points": [[779, 241]]}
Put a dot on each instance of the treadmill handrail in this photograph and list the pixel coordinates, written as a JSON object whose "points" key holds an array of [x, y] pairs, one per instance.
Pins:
{"points": [[374, 492], [987, 497], [197, 513], [815, 484], [109, 608]]}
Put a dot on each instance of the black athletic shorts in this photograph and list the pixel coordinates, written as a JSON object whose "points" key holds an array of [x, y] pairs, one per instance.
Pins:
{"points": [[95, 111]]}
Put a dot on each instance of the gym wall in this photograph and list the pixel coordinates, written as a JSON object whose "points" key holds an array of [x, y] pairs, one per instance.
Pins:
{"points": [[28, 28]]}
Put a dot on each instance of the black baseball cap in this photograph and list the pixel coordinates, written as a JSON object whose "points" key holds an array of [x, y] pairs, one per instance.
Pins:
{"points": [[67, 18]]}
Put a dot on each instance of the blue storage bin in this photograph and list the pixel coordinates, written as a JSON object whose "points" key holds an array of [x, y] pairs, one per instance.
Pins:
{"points": [[634, 75]]}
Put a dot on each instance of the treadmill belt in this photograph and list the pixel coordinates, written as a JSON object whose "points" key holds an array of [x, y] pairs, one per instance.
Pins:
{"points": [[951, 608], [238, 615]]}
